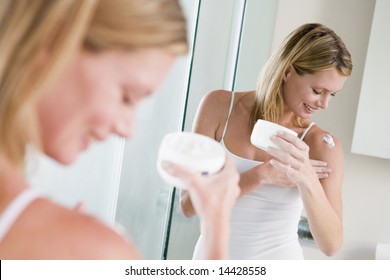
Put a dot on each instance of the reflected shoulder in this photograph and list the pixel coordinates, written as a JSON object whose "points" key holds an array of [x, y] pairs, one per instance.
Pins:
{"points": [[323, 144], [218, 97], [212, 113]]}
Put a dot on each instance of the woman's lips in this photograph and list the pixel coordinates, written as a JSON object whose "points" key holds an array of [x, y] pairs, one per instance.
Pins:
{"points": [[309, 108]]}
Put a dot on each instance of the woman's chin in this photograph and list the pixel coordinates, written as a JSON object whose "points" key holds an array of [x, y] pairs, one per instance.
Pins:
{"points": [[66, 161], [63, 158], [305, 115]]}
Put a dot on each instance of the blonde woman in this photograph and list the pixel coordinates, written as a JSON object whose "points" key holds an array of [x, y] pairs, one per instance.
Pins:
{"points": [[301, 77], [71, 71]]}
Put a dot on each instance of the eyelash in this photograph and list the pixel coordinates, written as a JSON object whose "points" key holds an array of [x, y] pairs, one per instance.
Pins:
{"points": [[318, 93]]}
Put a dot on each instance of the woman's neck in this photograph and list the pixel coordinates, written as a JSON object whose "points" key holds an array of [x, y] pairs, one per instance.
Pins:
{"points": [[12, 181]]}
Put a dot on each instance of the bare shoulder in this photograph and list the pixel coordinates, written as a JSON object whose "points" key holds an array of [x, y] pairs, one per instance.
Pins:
{"points": [[212, 113], [324, 146], [217, 99], [99, 240], [56, 232]]}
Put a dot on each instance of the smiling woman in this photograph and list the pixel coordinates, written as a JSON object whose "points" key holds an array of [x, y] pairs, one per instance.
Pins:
{"points": [[300, 78], [324, 84], [71, 71], [106, 90]]}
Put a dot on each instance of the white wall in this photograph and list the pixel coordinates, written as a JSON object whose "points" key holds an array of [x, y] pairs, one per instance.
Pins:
{"points": [[372, 133], [366, 189]]}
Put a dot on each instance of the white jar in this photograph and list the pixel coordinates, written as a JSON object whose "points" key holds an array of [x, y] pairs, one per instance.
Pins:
{"points": [[195, 152], [262, 132]]}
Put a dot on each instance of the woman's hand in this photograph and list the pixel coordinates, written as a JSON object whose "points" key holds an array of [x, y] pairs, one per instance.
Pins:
{"points": [[212, 198], [273, 176], [292, 158], [321, 169]]}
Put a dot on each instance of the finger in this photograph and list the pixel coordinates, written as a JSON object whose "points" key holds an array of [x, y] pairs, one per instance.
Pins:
{"points": [[282, 143], [318, 163], [296, 149], [291, 139], [322, 169], [183, 174], [282, 156], [283, 167], [322, 175], [176, 170]]}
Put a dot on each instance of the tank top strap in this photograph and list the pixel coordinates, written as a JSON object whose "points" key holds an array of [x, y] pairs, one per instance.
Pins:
{"points": [[227, 120], [12, 212], [306, 130]]}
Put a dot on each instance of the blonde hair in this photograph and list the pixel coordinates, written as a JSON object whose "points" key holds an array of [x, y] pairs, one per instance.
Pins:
{"points": [[309, 49], [56, 29]]}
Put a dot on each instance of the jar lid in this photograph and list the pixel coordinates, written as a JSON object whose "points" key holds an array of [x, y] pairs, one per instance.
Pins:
{"points": [[195, 152]]}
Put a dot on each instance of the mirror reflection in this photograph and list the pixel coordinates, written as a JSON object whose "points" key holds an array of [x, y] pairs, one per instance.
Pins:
{"points": [[360, 242]]}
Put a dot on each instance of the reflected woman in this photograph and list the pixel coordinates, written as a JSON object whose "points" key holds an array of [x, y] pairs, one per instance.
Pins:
{"points": [[306, 172]]}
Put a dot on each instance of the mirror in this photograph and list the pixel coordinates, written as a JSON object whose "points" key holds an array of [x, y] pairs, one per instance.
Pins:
{"points": [[225, 48], [365, 188]]}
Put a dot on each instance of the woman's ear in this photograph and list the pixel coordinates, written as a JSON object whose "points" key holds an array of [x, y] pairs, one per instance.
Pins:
{"points": [[287, 72]]}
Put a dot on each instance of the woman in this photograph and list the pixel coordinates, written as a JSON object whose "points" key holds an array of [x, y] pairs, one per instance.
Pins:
{"points": [[75, 71], [301, 77]]}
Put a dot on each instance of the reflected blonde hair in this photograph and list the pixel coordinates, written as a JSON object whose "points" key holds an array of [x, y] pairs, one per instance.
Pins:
{"points": [[56, 29], [309, 49]]}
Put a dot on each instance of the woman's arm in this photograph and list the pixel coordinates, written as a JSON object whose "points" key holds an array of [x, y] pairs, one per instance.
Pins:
{"points": [[212, 198], [266, 173], [322, 199], [209, 122]]}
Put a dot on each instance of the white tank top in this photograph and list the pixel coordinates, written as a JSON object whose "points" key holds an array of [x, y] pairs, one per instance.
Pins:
{"points": [[15, 209], [264, 222]]}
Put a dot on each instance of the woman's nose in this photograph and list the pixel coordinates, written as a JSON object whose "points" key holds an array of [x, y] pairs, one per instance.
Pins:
{"points": [[124, 126], [323, 102]]}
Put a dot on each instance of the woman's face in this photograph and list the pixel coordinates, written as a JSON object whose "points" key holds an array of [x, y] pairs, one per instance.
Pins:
{"points": [[304, 95], [98, 94]]}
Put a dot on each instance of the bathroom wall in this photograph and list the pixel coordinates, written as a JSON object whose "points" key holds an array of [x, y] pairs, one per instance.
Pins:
{"points": [[370, 135]]}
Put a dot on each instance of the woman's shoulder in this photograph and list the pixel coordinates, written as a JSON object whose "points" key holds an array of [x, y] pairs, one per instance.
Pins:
{"points": [[222, 99], [216, 97], [323, 143], [56, 232], [215, 105]]}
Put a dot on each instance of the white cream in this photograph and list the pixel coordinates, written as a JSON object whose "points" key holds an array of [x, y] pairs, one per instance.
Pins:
{"points": [[196, 152], [328, 139]]}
